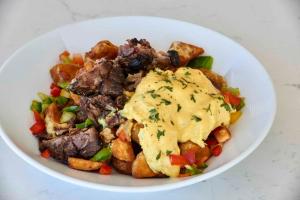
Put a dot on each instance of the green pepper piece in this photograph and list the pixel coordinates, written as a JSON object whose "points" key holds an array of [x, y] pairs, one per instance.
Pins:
{"points": [[66, 116], [88, 122], [103, 154], [63, 85], [205, 62], [61, 100], [36, 106], [71, 109]]}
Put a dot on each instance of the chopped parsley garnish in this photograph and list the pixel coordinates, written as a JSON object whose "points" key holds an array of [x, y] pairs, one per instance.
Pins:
{"points": [[165, 101], [160, 133], [172, 122], [226, 106], [185, 80], [153, 95], [158, 155], [154, 115], [187, 73], [168, 152], [167, 80], [150, 91], [167, 87], [208, 109], [178, 107], [196, 118], [193, 98]]}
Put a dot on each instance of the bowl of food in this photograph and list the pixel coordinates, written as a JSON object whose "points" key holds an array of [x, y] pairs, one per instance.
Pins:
{"points": [[105, 105]]}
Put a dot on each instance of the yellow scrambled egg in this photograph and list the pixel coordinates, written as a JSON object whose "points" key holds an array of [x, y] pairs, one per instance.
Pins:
{"points": [[174, 107]]}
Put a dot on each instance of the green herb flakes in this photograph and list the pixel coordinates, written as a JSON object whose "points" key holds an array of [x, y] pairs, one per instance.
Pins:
{"points": [[196, 118], [154, 115], [193, 98], [178, 107], [158, 155], [160, 133], [165, 101]]}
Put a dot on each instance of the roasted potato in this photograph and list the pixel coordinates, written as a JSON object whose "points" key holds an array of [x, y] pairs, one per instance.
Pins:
{"points": [[140, 168], [135, 132], [82, 164], [64, 72], [122, 150], [124, 131], [217, 80], [53, 113], [75, 98], [222, 134], [122, 166], [202, 154], [52, 121], [186, 51], [103, 49], [106, 135]]}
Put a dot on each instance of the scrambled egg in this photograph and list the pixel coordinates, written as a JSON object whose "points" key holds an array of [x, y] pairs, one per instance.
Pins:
{"points": [[174, 107]]}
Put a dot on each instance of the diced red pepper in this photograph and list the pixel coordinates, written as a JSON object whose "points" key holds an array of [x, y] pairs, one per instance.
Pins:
{"points": [[77, 59], [190, 156], [37, 128], [231, 99], [178, 160], [37, 117], [211, 141], [217, 150], [55, 91], [46, 154], [105, 169], [53, 85]]}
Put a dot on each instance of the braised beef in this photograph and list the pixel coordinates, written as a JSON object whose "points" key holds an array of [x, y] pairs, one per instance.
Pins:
{"points": [[82, 143], [87, 82]]}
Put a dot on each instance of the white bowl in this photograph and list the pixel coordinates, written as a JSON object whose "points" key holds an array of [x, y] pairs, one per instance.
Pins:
{"points": [[27, 71]]}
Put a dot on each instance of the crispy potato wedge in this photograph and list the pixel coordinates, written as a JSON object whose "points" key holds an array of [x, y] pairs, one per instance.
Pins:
{"points": [[106, 135], [124, 131], [122, 166], [140, 168], [202, 154], [53, 113], [103, 49], [217, 80], [82, 164], [222, 134], [186, 51], [122, 150], [135, 132], [75, 98], [64, 72]]}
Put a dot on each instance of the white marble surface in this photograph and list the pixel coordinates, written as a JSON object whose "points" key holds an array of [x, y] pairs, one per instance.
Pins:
{"points": [[270, 29]]}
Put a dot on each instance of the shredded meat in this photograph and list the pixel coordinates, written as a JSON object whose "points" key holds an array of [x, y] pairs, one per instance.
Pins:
{"points": [[83, 143]]}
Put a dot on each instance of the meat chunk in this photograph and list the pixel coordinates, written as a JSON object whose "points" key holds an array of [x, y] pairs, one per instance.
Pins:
{"points": [[103, 49], [83, 143], [133, 80], [97, 106], [136, 55], [87, 82]]}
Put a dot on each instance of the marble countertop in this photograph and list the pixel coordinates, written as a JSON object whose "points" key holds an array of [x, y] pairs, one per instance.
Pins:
{"points": [[269, 29]]}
